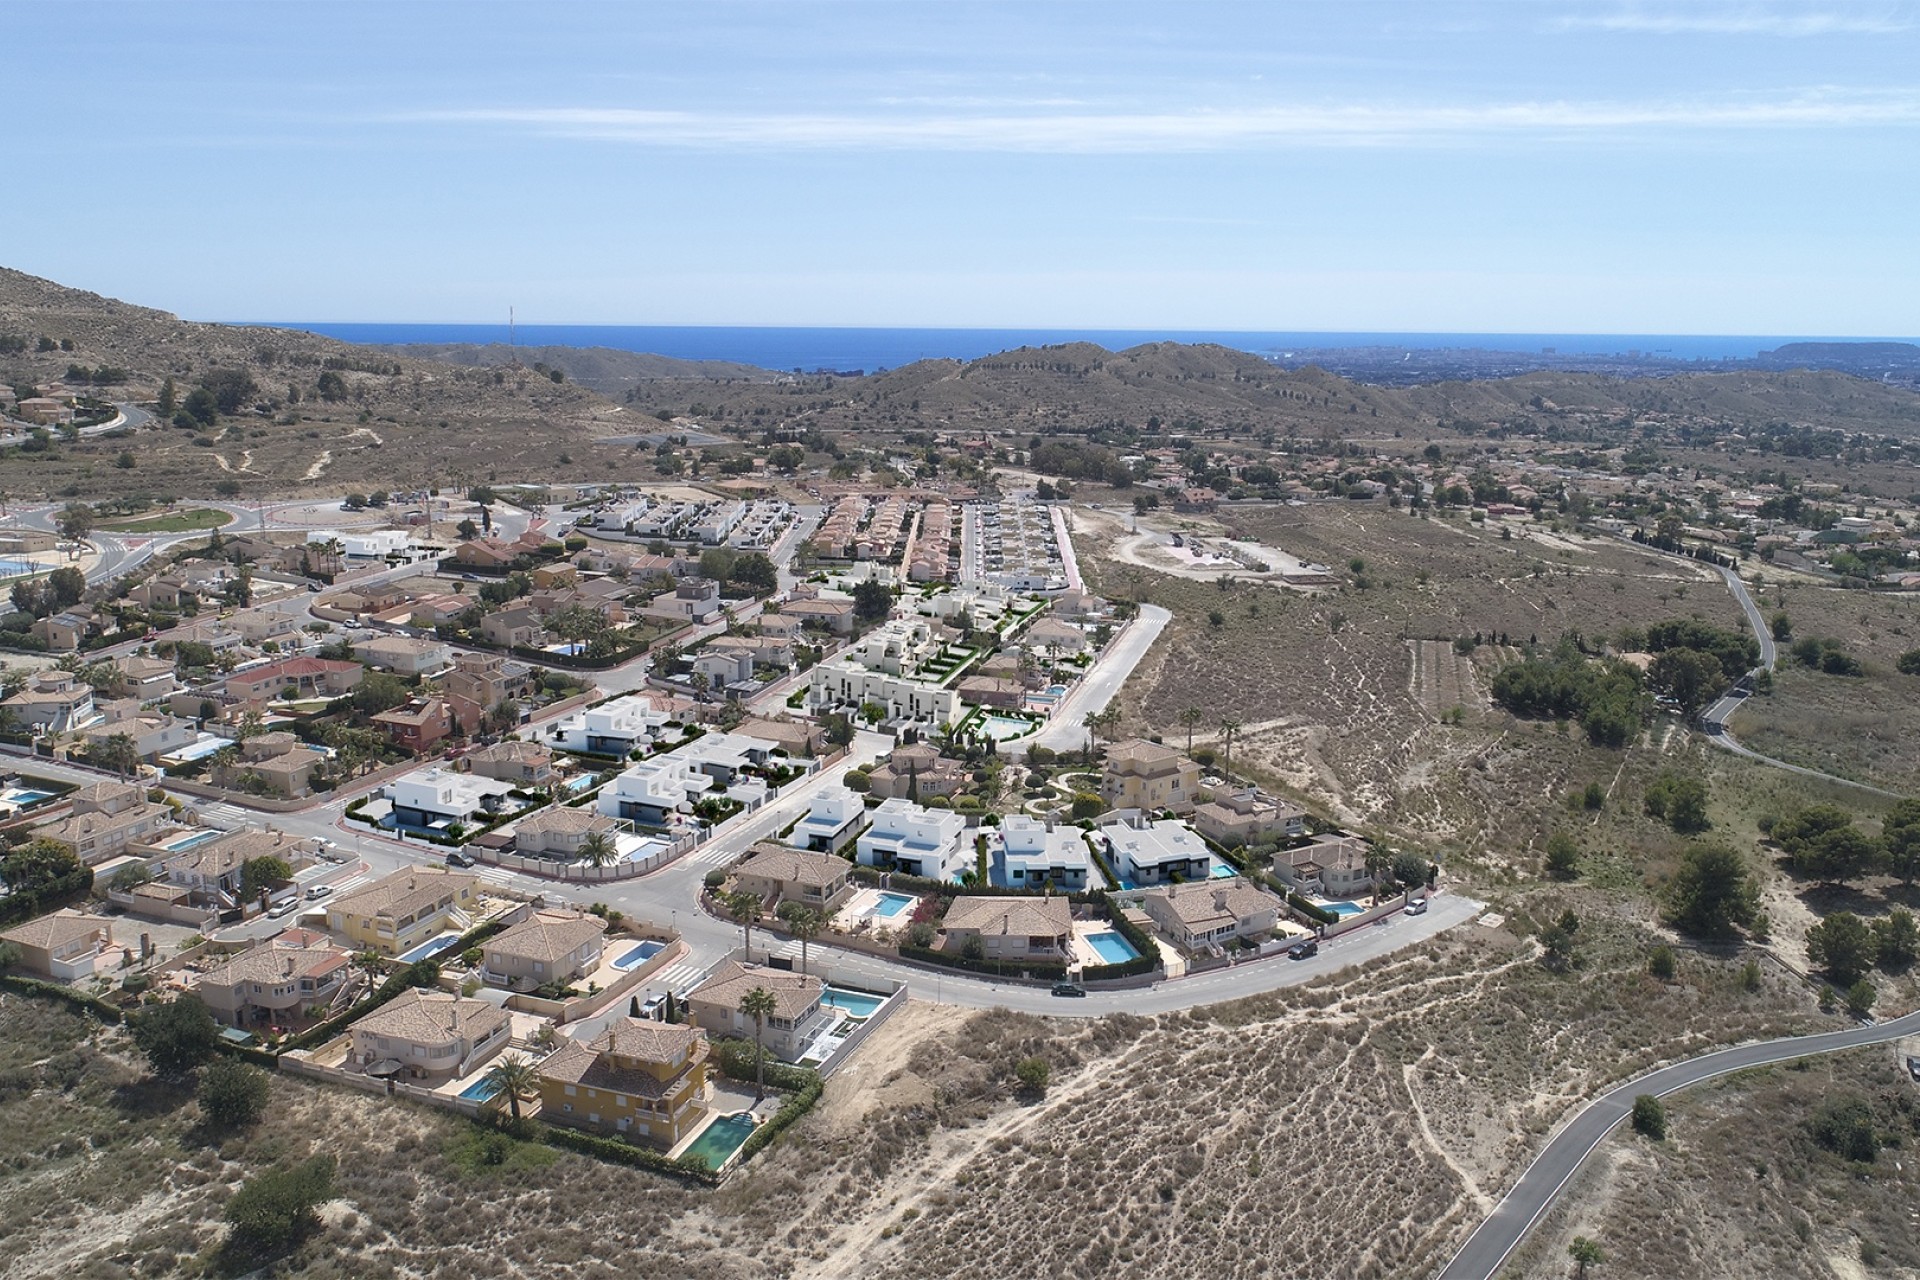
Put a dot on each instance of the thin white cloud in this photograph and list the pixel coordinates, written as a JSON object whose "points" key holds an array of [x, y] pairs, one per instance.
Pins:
{"points": [[1243, 128], [1745, 21]]}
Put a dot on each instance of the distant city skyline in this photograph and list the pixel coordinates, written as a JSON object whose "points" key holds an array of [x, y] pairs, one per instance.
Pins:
{"points": [[1385, 167]]}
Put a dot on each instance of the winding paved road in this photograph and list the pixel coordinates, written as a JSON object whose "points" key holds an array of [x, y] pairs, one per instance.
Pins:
{"points": [[1487, 1248]]}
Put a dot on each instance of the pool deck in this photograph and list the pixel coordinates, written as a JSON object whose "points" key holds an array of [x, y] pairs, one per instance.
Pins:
{"points": [[863, 908], [1080, 950]]}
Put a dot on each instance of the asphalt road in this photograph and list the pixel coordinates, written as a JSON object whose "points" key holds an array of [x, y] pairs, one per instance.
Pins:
{"points": [[1487, 1248], [1067, 730]]}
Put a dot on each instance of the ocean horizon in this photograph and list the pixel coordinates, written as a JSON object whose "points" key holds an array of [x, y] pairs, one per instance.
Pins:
{"points": [[807, 349]]}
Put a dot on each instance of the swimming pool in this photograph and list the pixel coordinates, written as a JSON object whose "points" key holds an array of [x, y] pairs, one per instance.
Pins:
{"points": [[857, 1004], [892, 904], [580, 783], [191, 839], [639, 954], [23, 796], [480, 1090], [1112, 947], [1002, 728], [1343, 908], [11, 568], [1223, 870], [717, 1143], [430, 948]]}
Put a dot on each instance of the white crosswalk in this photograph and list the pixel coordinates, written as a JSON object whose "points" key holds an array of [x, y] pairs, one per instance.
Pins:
{"points": [[227, 815], [675, 977], [789, 949], [493, 875], [350, 884], [711, 856]]}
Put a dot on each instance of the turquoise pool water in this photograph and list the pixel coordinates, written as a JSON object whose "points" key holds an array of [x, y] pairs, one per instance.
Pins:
{"points": [[1223, 870], [1001, 728], [480, 1090], [1112, 948], [1343, 908], [24, 796], [721, 1139], [892, 904], [430, 948], [639, 954], [858, 1004], [580, 783], [178, 843]]}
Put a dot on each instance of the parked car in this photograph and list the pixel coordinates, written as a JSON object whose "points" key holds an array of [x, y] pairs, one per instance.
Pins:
{"points": [[286, 908], [1416, 907], [1301, 950], [459, 859], [1069, 989], [318, 892]]}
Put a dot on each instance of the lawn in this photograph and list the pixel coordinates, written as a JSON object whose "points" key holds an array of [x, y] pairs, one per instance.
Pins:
{"points": [[188, 521]]}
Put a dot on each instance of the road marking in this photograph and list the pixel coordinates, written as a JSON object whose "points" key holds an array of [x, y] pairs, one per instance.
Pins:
{"points": [[493, 875], [714, 854], [225, 813], [675, 977]]}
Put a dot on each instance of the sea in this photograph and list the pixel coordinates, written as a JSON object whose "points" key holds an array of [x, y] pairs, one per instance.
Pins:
{"points": [[872, 350]]}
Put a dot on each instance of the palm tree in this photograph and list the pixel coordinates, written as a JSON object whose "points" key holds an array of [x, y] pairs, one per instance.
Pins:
{"points": [[804, 923], [514, 1077], [759, 1005], [1229, 729], [1191, 717], [599, 849], [747, 909]]}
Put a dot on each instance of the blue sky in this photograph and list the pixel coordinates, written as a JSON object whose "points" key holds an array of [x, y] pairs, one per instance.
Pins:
{"points": [[1603, 167]]}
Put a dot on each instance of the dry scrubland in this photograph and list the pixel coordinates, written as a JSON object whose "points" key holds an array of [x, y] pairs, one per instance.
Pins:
{"points": [[1286, 1134], [1741, 1189], [1863, 729], [1346, 695]]}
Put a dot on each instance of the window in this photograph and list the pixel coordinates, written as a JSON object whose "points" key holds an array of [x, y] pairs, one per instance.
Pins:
{"points": [[570, 1093]]}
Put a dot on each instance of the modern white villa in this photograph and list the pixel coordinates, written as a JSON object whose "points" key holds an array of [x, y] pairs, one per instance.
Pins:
{"points": [[918, 842], [1028, 853], [1145, 852]]}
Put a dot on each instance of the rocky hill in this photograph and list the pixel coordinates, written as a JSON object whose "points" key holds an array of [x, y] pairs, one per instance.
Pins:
{"points": [[609, 371], [314, 410]]}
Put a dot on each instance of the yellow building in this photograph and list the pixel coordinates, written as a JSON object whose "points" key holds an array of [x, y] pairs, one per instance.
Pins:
{"points": [[1147, 776], [641, 1079], [398, 913]]}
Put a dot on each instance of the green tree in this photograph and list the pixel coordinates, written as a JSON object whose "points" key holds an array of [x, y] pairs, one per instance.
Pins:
{"points": [[117, 752], [1712, 892], [271, 1211], [263, 872], [759, 1004], [1900, 833], [1563, 856], [804, 923], [1843, 945], [1680, 800], [1649, 1117], [1896, 939], [872, 601], [1909, 663], [233, 1095], [598, 849], [514, 1079], [1860, 998], [1229, 730], [377, 692], [1033, 1074], [747, 909], [1191, 717], [1844, 1125], [38, 864], [75, 521], [1410, 869], [1661, 962], [1691, 678], [1824, 844], [1585, 1253], [1087, 804], [1782, 627], [169, 399], [176, 1036]]}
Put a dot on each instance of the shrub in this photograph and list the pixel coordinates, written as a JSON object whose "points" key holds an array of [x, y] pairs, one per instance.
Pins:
{"points": [[273, 1210], [1844, 1126], [1563, 856], [1661, 963], [1649, 1117], [1033, 1074], [232, 1094]]}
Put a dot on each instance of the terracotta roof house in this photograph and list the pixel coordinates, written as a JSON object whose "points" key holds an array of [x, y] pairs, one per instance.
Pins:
{"points": [[518, 627], [63, 946], [1243, 817], [276, 980], [1147, 776], [1060, 637], [796, 1018], [916, 772], [639, 1079], [418, 725], [308, 677], [526, 764], [433, 1035], [775, 873], [558, 832], [1203, 915], [1009, 928], [400, 911], [1333, 865], [107, 818], [550, 946]]}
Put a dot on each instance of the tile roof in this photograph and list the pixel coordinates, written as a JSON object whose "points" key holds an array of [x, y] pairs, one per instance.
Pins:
{"points": [[792, 866], [404, 892], [433, 1017], [547, 937], [1015, 917], [792, 992], [274, 963], [562, 820], [54, 930], [593, 1064]]}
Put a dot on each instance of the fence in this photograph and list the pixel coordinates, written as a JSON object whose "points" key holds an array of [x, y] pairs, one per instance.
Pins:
{"points": [[858, 1035], [582, 873]]}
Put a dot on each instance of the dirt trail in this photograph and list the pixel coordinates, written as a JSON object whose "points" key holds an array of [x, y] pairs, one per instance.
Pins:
{"points": [[319, 467]]}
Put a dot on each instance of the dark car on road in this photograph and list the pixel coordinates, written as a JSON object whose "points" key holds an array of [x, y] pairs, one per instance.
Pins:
{"points": [[1069, 989], [1301, 950], [459, 859]]}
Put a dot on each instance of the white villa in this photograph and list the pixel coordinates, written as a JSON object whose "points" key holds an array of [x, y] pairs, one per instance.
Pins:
{"points": [[611, 729], [1146, 852], [918, 842], [836, 815], [1036, 853]]}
